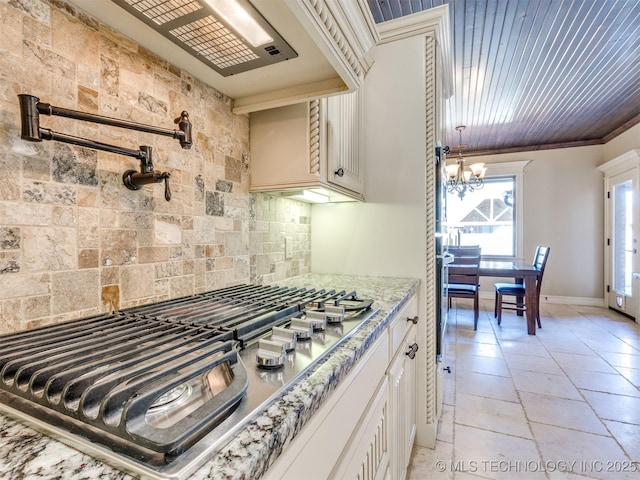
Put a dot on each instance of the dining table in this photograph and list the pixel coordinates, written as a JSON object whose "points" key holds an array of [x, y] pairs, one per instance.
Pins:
{"points": [[523, 273]]}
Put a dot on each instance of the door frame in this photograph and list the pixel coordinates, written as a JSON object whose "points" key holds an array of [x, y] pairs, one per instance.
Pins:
{"points": [[629, 161]]}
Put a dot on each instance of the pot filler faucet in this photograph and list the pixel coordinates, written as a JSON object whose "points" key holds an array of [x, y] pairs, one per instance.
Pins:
{"points": [[31, 107]]}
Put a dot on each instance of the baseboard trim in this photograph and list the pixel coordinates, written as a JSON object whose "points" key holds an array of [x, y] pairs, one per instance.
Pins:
{"points": [[590, 302], [586, 301]]}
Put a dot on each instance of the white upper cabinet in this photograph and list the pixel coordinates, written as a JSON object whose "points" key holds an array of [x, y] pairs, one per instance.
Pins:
{"points": [[312, 146], [331, 41], [343, 122]]}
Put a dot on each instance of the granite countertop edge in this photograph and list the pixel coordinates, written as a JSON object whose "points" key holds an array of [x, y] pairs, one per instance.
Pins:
{"points": [[28, 453]]}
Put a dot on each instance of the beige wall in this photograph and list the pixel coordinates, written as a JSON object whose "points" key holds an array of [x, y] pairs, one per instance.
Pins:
{"points": [[624, 142], [563, 208], [73, 240], [386, 234]]}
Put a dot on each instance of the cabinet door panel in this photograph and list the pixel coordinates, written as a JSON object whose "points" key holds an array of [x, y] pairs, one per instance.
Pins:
{"points": [[343, 121], [398, 381], [367, 457], [410, 399], [402, 404]]}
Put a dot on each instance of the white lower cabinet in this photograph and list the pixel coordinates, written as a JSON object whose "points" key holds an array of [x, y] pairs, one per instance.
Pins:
{"points": [[365, 429], [402, 387], [402, 421]]}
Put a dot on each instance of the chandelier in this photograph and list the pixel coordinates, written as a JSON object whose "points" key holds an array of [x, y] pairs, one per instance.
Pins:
{"points": [[461, 179]]}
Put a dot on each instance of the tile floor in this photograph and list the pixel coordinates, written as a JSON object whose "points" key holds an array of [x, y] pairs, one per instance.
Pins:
{"points": [[563, 404]]}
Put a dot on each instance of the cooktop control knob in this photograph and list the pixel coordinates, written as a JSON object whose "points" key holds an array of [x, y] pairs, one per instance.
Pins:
{"points": [[302, 328], [270, 354], [318, 319], [284, 336], [334, 313]]}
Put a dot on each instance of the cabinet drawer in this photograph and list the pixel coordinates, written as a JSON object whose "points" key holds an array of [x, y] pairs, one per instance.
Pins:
{"points": [[400, 325]]}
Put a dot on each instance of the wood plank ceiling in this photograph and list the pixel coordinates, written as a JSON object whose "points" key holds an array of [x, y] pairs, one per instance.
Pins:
{"points": [[537, 74]]}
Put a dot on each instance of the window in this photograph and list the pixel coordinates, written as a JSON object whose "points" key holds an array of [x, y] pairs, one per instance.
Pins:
{"points": [[623, 237], [491, 216], [485, 217]]}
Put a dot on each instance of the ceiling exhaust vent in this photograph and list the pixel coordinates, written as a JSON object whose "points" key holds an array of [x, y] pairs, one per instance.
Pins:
{"points": [[229, 40]]}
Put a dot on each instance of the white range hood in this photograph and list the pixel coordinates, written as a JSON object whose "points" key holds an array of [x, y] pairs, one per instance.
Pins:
{"points": [[330, 37]]}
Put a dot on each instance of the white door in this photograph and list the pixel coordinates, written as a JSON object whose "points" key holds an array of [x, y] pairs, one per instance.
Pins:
{"points": [[622, 241]]}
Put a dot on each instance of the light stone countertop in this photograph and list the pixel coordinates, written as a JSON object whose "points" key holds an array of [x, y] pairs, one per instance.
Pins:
{"points": [[26, 453]]}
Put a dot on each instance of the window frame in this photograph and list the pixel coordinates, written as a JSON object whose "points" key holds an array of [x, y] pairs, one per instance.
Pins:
{"points": [[514, 170]]}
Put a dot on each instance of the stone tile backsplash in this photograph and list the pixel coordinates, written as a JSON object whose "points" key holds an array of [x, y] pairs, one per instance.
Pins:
{"points": [[74, 241]]}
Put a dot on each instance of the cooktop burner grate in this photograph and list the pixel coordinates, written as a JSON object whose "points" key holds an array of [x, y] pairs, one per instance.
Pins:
{"points": [[108, 371], [249, 311]]}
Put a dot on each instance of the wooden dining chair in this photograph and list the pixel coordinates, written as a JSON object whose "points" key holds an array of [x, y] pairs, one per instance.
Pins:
{"points": [[463, 278], [517, 289]]}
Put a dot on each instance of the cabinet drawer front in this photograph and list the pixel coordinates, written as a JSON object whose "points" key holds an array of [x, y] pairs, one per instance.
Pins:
{"points": [[400, 325]]}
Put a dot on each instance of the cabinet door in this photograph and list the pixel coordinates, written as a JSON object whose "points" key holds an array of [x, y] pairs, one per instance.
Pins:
{"points": [[410, 398], [343, 119], [367, 457], [402, 381]]}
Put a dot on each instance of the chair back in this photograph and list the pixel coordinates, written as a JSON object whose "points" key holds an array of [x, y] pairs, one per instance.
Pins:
{"points": [[465, 266], [540, 262], [462, 254], [464, 277]]}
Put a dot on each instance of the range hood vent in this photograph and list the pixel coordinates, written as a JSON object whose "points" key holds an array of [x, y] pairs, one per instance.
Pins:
{"points": [[197, 28]]}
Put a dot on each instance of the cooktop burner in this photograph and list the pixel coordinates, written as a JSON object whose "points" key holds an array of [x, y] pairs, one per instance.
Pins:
{"points": [[156, 389]]}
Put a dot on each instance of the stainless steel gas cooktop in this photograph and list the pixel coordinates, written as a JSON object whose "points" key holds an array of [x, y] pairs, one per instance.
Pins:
{"points": [[155, 390]]}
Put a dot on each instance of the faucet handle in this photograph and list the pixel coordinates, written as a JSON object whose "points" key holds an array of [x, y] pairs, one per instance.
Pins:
{"points": [[167, 189]]}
